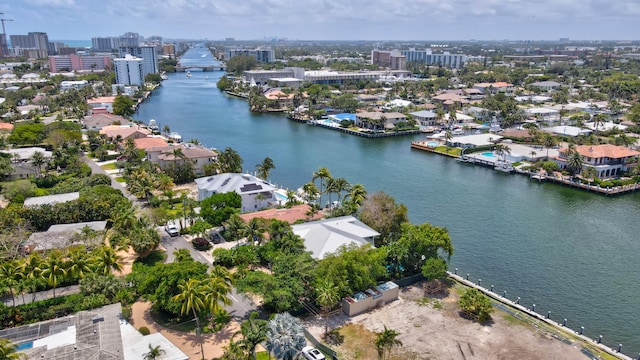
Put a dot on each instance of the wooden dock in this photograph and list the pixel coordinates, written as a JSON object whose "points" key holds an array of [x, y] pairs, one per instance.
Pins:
{"points": [[366, 135], [614, 190]]}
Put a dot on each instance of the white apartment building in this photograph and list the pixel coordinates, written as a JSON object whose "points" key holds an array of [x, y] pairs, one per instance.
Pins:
{"points": [[452, 61], [129, 70], [148, 54]]}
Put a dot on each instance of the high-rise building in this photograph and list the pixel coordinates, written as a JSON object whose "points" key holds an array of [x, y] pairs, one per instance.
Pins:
{"points": [[31, 41], [261, 55], [105, 43], [130, 39], [146, 53], [453, 61], [75, 62], [389, 59], [129, 70]]}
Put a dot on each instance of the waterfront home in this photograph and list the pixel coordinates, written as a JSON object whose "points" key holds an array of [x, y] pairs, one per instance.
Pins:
{"points": [[98, 121], [282, 100], [326, 236], [608, 160], [256, 193], [124, 132], [150, 142], [447, 99], [167, 156], [379, 120], [425, 117], [472, 141], [543, 113]]}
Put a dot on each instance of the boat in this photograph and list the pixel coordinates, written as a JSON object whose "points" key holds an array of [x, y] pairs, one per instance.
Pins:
{"points": [[188, 73], [153, 126], [175, 137]]}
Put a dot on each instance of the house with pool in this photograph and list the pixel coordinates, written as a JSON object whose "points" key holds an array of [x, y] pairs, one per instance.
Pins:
{"points": [[609, 160], [256, 193]]}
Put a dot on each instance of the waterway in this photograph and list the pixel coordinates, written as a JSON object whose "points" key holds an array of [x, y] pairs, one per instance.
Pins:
{"points": [[569, 252]]}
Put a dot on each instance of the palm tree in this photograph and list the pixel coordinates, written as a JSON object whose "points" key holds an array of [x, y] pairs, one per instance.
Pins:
{"points": [[341, 184], [264, 168], [9, 351], [54, 270], [285, 336], [234, 227], [38, 159], [590, 173], [154, 353], [323, 174], [356, 195], [79, 262], [447, 138], [291, 199], [386, 340], [107, 260], [310, 192], [254, 230], [548, 141], [574, 161], [330, 188], [166, 130], [10, 277], [254, 331], [502, 151], [192, 296], [599, 120], [327, 296], [31, 271]]}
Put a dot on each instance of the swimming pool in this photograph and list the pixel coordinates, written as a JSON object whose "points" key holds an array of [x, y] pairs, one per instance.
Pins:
{"points": [[488, 154], [432, 143], [280, 196], [25, 346]]}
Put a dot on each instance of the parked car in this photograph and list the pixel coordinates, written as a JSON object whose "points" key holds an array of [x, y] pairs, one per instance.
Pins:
{"points": [[312, 353], [172, 230]]}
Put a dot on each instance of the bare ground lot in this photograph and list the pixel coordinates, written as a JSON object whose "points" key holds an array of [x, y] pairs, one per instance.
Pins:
{"points": [[432, 328]]}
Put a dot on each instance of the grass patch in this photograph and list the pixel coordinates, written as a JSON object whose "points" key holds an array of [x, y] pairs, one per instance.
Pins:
{"points": [[262, 355], [426, 301], [453, 151], [109, 166], [119, 179]]}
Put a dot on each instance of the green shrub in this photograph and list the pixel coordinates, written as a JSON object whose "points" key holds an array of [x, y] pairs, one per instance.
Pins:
{"points": [[223, 257], [144, 331]]}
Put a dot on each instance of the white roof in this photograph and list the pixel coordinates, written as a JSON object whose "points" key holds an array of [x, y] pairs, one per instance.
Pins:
{"points": [[567, 130], [51, 199], [605, 126], [27, 153], [459, 117], [424, 113], [541, 110], [135, 345], [327, 236], [477, 139], [228, 182]]}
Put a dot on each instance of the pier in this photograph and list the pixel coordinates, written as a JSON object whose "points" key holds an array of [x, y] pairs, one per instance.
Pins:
{"points": [[614, 190], [206, 68], [363, 134]]}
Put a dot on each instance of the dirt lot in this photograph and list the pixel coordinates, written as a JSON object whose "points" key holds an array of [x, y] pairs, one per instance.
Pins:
{"points": [[432, 328]]}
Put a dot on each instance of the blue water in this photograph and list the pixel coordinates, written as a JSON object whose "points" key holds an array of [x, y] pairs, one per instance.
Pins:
{"points": [[432, 143], [25, 346], [570, 252], [488, 154]]}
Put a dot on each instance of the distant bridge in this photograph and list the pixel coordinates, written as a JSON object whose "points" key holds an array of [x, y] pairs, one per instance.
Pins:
{"points": [[201, 68]]}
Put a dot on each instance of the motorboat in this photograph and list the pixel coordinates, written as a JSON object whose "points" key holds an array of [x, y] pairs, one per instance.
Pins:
{"points": [[188, 73]]}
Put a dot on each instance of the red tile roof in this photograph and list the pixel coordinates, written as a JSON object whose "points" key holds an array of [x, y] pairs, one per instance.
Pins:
{"points": [[606, 150], [149, 142]]}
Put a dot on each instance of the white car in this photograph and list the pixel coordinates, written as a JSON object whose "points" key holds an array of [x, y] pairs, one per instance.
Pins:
{"points": [[312, 353], [172, 230]]}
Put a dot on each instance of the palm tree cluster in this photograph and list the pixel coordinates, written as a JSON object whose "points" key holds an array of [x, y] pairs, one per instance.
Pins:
{"points": [[349, 196], [202, 297], [253, 332], [129, 229], [37, 272], [142, 180]]}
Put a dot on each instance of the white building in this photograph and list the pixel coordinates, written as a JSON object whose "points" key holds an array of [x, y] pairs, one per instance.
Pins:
{"points": [[262, 55], [453, 61], [256, 193], [72, 84], [129, 70], [148, 54]]}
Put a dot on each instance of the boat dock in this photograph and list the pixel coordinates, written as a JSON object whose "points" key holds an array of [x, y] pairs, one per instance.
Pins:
{"points": [[363, 134], [563, 180]]}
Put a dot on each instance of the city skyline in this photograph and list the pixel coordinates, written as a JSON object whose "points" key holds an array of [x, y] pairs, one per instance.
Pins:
{"points": [[329, 19]]}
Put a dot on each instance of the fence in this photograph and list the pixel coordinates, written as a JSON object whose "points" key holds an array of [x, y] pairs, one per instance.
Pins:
{"points": [[541, 322], [320, 346]]}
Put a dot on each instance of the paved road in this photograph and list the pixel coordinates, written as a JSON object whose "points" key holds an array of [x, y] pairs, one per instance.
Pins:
{"points": [[96, 169]]}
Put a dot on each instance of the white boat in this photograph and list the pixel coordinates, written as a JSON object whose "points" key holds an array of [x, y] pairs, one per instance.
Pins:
{"points": [[153, 126], [175, 137], [188, 73]]}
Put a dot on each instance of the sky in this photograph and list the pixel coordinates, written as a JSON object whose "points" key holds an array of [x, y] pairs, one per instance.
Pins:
{"points": [[328, 19]]}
